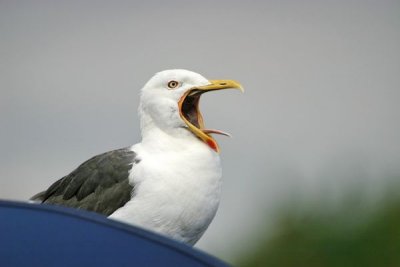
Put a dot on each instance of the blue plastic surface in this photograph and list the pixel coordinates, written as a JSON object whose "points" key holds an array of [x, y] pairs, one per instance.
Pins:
{"points": [[44, 235]]}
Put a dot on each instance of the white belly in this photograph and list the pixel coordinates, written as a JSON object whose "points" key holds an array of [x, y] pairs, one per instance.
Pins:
{"points": [[175, 194]]}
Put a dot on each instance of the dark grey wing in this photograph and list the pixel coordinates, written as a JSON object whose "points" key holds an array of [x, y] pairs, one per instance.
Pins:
{"points": [[100, 184]]}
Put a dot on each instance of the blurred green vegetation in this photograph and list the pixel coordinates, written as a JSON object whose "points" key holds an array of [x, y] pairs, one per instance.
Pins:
{"points": [[353, 234]]}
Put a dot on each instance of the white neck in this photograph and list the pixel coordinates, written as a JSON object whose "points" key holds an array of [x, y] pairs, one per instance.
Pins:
{"points": [[167, 137]]}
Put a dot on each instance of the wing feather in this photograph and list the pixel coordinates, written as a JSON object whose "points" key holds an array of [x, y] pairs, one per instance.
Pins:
{"points": [[100, 184]]}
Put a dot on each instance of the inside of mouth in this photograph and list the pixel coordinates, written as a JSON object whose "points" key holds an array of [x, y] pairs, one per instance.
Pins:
{"points": [[190, 109]]}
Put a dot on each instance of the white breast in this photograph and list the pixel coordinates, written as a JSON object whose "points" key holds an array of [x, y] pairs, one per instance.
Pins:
{"points": [[176, 188]]}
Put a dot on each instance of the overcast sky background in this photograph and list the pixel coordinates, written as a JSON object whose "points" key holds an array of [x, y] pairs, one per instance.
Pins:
{"points": [[320, 113]]}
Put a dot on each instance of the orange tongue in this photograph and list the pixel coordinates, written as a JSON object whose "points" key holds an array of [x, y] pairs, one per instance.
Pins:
{"points": [[212, 131]]}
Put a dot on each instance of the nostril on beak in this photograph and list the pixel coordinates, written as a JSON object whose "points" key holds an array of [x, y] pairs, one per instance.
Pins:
{"points": [[222, 84]]}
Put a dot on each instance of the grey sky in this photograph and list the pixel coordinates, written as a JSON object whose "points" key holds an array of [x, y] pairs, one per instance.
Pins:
{"points": [[321, 107]]}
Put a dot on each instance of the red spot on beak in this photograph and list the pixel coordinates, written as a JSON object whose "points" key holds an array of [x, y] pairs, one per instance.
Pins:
{"points": [[212, 144]]}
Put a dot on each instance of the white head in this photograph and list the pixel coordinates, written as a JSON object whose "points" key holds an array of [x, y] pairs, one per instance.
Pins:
{"points": [[170, 102]]}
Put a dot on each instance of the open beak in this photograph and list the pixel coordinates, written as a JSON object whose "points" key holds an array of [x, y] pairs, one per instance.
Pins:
{"points": [[190, 112]]}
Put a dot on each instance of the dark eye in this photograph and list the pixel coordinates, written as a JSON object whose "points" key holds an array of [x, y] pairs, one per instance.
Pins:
{"points": [[173, 84]]}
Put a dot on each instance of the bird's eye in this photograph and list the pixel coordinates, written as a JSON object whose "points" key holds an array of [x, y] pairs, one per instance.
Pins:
{"points": [[173, 84]]}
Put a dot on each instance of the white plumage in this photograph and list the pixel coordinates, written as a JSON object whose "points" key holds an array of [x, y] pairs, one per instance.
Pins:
{"points": [[179, 177], [170, 182]]}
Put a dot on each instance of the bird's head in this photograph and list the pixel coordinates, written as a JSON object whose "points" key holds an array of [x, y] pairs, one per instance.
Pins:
{"points": [[170, 100]]}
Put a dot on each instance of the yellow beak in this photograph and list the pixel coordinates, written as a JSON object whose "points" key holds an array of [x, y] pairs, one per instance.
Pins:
{"points": [[190, 113]]}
